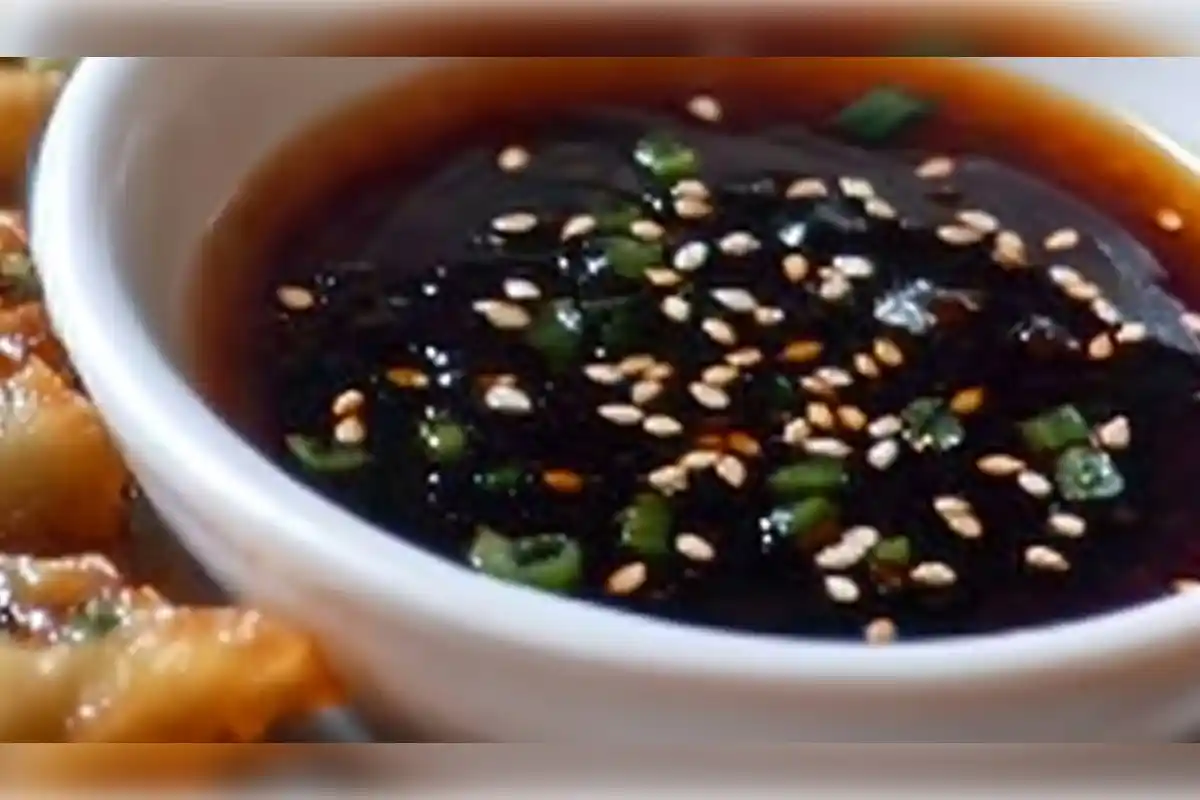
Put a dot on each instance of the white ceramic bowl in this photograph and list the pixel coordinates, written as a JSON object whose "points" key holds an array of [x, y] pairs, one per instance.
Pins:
{"points": [[139, 156]]}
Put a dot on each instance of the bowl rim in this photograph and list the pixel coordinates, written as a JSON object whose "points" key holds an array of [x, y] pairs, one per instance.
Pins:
{"points": [[164, 425]]}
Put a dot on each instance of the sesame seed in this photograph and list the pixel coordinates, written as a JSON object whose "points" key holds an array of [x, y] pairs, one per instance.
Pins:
{"points": [[709, 396], [1035, 484], [564, 481], [688, 207], [959, 235], [745, 444], [1114, 434], [879, 208], [1191, 321], [746, 357], [1084, 292], [802, 351], [659, 372], [1185, 586], [852, 418], [865, 365], [295, 298], [605, 374], [579, 225], [645, 391], [854, 266], [1101, 348], [835, 287], [662, 426], [634, 365], [968, 401], [1068, 525], [691, 256], [842, 589], [1000, 465], [838, 557], [738, 243], [676, 308], [669, 479], [1010, 249], [856, 187], [513, 159], [719, 375], [769, 316], [1042, 557], [1132, 332], [503, 315], [407, 378], [719, 331], [967, 526], [795, 267], [796, 431], [950, 505], [628, 579], [814, 385], [1065, 276], [888, 353], [935, 168], [698, 460], [1062, 239], [348, 402], [621, 414], [521, 289], [666, 278], [517, 222], [731, 470], [934, 574], [350, 431], [1169, 220], [819, 415], [807, 188], [885, 426], [980, 221], [690, 187], [862, 537], [883, 454], [705, 108], [880, 632], [647, 230], [1106, 312], [834, 448], [508, 399], [737, 300], [694, 548], [835, 377]]}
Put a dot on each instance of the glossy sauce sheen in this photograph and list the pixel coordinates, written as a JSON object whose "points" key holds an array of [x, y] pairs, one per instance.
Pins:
{"points": [[394, 241]]}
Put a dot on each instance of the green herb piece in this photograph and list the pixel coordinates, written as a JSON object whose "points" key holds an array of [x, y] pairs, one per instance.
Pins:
{"points": [[893, 552], [802, 518], [880, 114], [929, 422], [646, 525], [818, 474], [320, 457], [97, 619], [1054, 430], [445, 441], [630, 258], [1085, 473], [557, 333], [667, 159], [20, 279], [618, 220], [551, 561], [500, 480]]}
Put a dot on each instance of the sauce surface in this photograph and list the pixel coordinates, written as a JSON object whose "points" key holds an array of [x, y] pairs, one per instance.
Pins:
{"points": [[762, 365]]}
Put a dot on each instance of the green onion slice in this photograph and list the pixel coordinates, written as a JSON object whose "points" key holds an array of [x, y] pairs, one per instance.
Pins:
{"points": [[445, 441], [880, 114], [550, 561], [818, 474], [1085, 473], [800, 519], [501, 479], [1056, 429], [557, 333], [666, 158], [320, 457], [97, 619], [893, 552], [929, 423], [630, 258], [646, 525]]}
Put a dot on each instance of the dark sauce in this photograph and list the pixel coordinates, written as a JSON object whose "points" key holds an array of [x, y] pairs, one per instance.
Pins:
{"points": [[825, 385]]}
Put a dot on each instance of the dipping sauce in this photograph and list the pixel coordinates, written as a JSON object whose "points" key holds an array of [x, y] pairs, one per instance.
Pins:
{"points": [[873, 361]]}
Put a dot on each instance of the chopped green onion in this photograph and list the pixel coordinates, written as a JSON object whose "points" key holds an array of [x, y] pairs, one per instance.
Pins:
{"points": [[618, 220], [893, 552], [666, 159], [929, 422], [630, 258], [880, 114], [552, 561], [326, 458], [817, 474], [98, 618], [445, 441], [1054, 430], [802, 518], [646, 525], [1085, 473], [501, 479], [557, 333]]}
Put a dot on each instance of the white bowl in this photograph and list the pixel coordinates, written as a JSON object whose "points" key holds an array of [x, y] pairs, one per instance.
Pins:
{"points": [[139, 156]]}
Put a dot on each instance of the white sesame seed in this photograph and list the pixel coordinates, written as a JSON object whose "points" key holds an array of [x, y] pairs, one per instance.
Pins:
{"points": [[879, 208], [834, 448], [807, 188], [835, 376], [676, 308], [737, 300], [1010, 249], [852, 418], [513, 159], [1115, 434], [621, 414], [350, 431], [348, 402], [795, 267], [605, 374], [691, 256], [950, 505], [1169, 220], [959, 235], [709, 396], [694, 548], [934, 574], [731, 470], [578, 225], [842, 589], [517, 222], [634, 365], [719, 331], [838, 557], [814, 385], [819, 415], [645, 391], [738, 243], [1084, 292], [665, 278], [885, 426], [935, 168], [719, 375], [1132, 332], [507, 399], [888, 353], [295, 298], [880, 632], [669, 479], [980, 221], [1035, 484], [1101, 347], [628, 579], [883, 454], [690, 187], [835, 287], [1062, 239], [503, 315], [856, 187], [1068, 525], [705, 108], [854, 266], [659, 372], [1191, 321], [1000, 465], [865, 365], [967, 526], [521, 289], [662, 426], [1106, 312], [796, 431], [746, 357], [698, 460], [1065, 276], [769, 316], [1042, 557], [688, 207], [647, 230]]}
